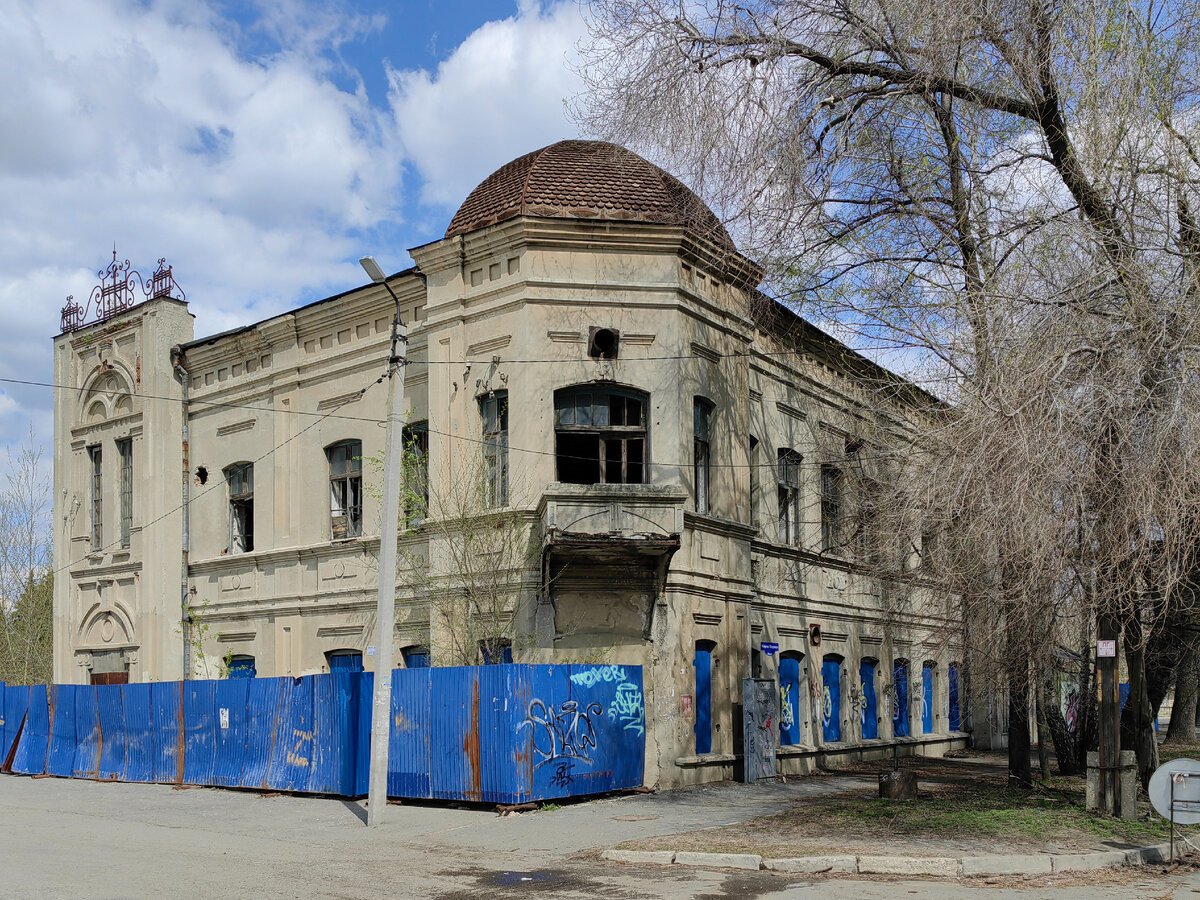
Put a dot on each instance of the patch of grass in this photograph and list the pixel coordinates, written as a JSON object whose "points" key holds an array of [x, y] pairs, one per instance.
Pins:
{"points": [[986, 812], [550, 807], [1168, 752]]}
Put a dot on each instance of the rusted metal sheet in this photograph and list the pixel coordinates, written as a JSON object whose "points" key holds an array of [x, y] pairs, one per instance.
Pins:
{"points": [[199, 727], [87, 733], [30, 758], [111, 712], [136, 702], [325, 762], [16, 703], [167, 709], [264, 698], [408, 744], [61, 758]]}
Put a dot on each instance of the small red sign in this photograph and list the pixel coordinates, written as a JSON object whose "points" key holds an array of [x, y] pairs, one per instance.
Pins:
{"points": [[687, 706]]}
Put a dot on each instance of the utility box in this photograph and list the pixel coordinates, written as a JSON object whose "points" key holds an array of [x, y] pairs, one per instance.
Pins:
{"points": [[760, 721]]}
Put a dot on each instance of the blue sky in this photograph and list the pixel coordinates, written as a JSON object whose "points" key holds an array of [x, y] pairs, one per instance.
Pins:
{"points": [[260, 147]]}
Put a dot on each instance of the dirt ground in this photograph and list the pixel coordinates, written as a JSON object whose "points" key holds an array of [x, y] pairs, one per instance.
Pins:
{"points": [[963, 809]]}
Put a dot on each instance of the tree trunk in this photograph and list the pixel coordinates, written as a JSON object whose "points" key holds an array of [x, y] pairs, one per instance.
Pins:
{"points": [[1064, 741], [1182, 728], [1020, 772], [1137, 721], [1043, 728]]}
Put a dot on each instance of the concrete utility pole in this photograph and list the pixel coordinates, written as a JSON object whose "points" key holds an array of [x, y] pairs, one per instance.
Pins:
{"points": [[393, 477]]}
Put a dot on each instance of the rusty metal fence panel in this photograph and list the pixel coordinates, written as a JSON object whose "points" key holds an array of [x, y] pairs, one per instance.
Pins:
{"points": [[16, 703], [60, 760], [136, 702], [498, 734], [30, 758], [87, 733], [110, 711]]}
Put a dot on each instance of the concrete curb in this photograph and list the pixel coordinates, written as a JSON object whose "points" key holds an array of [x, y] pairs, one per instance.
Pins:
{"points": [[925, 866]]}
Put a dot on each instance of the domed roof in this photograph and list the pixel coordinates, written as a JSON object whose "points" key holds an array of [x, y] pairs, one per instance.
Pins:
{"points": [[586, 180]]}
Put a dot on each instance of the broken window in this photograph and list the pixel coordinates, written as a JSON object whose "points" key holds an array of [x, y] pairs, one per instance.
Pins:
{"points": [[125, 451], [600, 436], [789, 496], [240, 478], [345, 489], [831, 507], [416, 471], [753, 480], [95, 458], [493, 410], [701, 450]]}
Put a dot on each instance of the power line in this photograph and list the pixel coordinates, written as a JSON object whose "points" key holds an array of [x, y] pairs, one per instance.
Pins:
{"points": [[219, 483]]}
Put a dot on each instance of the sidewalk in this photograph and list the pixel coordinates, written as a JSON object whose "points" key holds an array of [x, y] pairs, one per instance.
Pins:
{"points": [[964, 823]]}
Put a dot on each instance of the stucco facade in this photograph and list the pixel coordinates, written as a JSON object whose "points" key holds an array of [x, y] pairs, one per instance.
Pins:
{"points": [[683, 567]]}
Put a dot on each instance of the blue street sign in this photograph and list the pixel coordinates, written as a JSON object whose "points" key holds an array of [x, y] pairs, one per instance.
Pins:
{"points": [[769, 647]]}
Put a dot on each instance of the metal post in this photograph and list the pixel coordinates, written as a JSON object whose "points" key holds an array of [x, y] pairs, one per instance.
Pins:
{"points": [[393, 475], [1172, 817], [1108, 673]]}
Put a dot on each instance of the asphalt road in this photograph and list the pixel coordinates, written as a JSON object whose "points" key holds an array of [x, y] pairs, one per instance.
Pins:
{"points": [[62, 838]]}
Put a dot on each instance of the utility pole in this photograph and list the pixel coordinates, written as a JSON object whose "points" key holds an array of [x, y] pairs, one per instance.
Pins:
{"points": [[393, 476], [1109, 676]]}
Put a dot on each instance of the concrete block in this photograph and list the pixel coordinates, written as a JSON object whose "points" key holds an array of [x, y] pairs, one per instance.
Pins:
{"points": [[1017, 864], [1156, 854], [657, 857], [719, 860], [813, 865], [934, 866], [1078, 862]]}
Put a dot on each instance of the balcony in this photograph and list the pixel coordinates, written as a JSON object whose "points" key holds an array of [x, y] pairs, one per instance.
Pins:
{"points": [[604, 519]]}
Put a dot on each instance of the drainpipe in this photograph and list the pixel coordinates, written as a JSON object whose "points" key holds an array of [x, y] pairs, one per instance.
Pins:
{"points": [[184, 380]]}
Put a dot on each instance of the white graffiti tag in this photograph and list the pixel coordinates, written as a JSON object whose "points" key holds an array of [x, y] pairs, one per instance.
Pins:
{"points": [[592, 677], [628, 708], [563, 733]]}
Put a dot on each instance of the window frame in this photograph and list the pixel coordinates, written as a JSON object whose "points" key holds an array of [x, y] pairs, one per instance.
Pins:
{"points": [[788, 468], [125, 454], [621, 437], [493, 415], [832, 498], [96, 477], [350, 480], [415, 438], [241, 507], [702, 416]]}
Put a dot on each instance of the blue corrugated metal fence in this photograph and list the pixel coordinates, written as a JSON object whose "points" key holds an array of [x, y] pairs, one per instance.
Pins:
{"points": [[500, 733]]}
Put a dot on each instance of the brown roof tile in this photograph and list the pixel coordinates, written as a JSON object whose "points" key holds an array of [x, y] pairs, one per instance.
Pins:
{"points": [[586, 180]]}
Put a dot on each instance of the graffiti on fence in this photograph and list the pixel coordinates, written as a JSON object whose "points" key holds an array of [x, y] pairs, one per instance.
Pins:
{"points": [[562, 775], [565, 733], [628, 709], [593, 676]]}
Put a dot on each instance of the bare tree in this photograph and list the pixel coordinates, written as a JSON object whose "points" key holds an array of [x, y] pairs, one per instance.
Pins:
{"points": [[26, 581], [999, 199]]}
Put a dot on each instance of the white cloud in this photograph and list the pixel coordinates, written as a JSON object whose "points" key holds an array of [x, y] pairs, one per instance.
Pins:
{"points": [[146, 124], [498, 96]]}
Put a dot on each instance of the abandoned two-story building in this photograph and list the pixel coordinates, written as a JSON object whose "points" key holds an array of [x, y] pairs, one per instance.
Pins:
{"points": [[675, 462]]}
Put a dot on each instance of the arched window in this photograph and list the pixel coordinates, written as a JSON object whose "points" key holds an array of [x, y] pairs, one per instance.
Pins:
{"points": [[600, 435], [955, 716], [790, 708], [416, 657], [900, 698], [703, 663], [831, 698], [240, 478], [928, 694], [242, 667], [344, 660], [868, 704], [702, 411]]}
